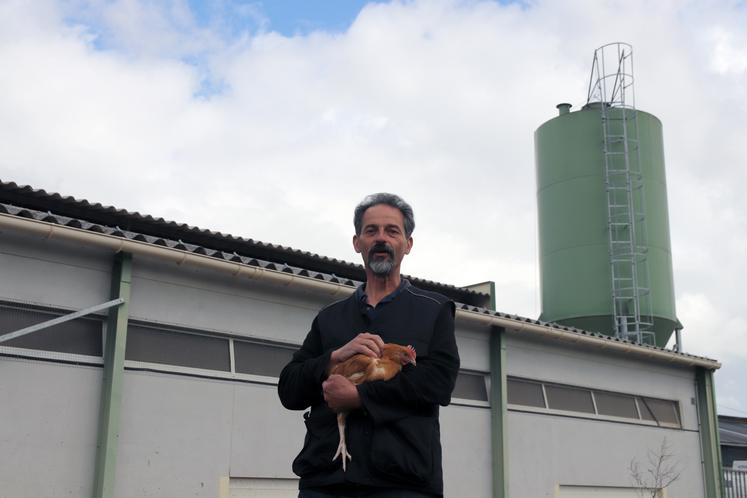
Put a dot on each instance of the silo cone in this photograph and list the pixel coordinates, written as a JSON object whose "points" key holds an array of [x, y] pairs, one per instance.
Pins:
{"points": [[573, 231]]}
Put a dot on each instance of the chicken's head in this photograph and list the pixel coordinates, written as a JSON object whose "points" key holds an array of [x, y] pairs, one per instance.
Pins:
{"points": [[401, 354]]}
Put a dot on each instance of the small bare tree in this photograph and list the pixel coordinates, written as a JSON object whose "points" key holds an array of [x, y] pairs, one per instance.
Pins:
{"points": [[661, 471]]}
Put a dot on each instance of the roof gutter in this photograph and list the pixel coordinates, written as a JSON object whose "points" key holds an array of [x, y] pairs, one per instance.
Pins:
{"points": [[552, 332], [180, 257]]}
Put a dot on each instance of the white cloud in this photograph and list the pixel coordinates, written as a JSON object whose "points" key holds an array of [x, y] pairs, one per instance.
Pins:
{"points": [[435, 100], [729, 52]]}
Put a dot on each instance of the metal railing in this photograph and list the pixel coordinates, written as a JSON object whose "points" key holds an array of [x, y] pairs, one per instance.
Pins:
{"points": [[735, 483], [611, 90]]}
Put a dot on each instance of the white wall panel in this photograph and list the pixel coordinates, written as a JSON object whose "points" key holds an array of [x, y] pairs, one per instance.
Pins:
{"points": [[48, 428], [547, 451], [467, 461], [265, 437], [557, 362], [53, 273], [175, 436]]}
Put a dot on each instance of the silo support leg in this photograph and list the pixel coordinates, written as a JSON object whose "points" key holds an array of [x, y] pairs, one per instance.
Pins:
{"points": [[498, 412], [111, 391]]}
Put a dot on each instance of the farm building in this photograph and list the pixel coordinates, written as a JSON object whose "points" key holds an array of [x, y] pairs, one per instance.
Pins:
{"points": [[165, 386]]}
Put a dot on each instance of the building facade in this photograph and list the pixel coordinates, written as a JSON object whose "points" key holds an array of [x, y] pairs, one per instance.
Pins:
{"points": [[166, 383]]}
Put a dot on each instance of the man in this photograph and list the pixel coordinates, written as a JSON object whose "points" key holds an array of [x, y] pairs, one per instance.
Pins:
{"points": [[393, 431]]}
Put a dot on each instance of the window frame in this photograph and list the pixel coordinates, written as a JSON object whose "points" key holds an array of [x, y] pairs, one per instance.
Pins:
{"points": [[596, 415], [47, 355]]}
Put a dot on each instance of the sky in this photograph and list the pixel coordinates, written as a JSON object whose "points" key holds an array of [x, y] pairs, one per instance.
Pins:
{"points": [[271, 120]]}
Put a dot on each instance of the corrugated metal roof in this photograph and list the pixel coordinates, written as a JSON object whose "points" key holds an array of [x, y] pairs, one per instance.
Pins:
{"points": [[69, 208], [172, 244], [732, 431], [91, 223]]}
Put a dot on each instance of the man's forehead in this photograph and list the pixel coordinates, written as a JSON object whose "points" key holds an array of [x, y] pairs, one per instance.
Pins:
{"points": [[383, 214]]}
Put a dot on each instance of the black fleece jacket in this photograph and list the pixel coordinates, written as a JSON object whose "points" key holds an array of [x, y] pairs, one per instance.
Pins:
{"points": [[395, 438]]}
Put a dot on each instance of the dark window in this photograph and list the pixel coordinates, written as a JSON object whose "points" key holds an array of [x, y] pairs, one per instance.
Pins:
{"points": [[470, 386], [177, 348], [659, 410], [260, 359], [569, 398], [79, 336], [617, 405], [521, 392]]}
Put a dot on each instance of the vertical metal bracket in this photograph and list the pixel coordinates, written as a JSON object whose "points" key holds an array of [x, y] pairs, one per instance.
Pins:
{"points": [[709, 437], [111, 391], [499, 411]]}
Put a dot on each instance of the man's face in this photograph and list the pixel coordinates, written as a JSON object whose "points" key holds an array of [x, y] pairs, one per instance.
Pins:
{"points": [[382, 241]]}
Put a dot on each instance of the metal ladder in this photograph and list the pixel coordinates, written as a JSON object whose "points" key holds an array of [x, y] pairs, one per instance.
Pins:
{"points": [[628, 245]]}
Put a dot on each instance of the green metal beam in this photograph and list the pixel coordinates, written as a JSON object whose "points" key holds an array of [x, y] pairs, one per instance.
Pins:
{"points": [[709, 438], [111, 392], [498, 411]]}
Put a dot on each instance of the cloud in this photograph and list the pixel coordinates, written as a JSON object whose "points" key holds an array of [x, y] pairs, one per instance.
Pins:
{"points": [[227, 125]]}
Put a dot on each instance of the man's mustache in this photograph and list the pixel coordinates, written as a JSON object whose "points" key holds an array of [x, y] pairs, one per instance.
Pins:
{"points": [[381, 247]]}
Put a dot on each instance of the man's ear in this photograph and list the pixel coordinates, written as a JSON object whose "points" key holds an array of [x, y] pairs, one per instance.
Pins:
{"points": [[409, 245], [355, 244]]}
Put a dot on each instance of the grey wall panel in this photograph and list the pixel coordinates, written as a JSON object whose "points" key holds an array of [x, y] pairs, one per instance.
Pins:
{"points": [[465, 439], [175, 436], [266, 437], [473, 344], [48, 428], [555, 362], [53, 273], [549, 450], [199, 298]]}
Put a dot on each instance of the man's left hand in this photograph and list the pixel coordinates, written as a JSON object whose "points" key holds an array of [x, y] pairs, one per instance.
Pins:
{"points": [[340, 394]]}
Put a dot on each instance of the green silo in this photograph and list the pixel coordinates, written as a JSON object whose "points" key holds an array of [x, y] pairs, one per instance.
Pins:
{"points": [[575, 226]]}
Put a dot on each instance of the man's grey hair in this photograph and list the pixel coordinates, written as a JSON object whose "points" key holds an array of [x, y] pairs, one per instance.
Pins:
{"points": [[390, 200]]}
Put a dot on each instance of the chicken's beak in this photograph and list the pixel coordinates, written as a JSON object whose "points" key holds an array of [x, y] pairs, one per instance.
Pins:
{"points": [[412, 360]]}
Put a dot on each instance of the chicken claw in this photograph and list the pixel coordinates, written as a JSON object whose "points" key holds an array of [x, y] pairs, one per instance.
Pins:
{"points": [[342, 449]]}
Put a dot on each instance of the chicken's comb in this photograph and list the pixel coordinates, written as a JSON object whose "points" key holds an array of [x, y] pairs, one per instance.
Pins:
{"points": [[412, 351]]}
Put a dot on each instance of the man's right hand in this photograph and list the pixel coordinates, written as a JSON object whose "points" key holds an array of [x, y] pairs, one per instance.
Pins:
{"points": [[364, 343]]}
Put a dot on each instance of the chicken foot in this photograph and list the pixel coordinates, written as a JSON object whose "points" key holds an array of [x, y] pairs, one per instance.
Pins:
{"points": [[342, 449]]}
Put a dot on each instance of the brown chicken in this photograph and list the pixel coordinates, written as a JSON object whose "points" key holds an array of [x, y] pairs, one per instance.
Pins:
{"points": [[361, 368]]}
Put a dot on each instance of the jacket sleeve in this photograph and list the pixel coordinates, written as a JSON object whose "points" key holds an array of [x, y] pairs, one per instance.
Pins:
{"points": [[417, 390], [300, 384]]}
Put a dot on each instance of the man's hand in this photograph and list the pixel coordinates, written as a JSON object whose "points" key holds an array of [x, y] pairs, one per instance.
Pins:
{"points": [[364, 343], [340, 394]]}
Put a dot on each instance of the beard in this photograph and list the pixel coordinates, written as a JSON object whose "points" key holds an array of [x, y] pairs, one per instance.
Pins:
{"points": [[381, 266]]}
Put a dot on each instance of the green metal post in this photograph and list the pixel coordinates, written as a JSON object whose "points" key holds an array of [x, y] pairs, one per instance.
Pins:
{"points": [[498, 411], [709, 437], [111, 392]]}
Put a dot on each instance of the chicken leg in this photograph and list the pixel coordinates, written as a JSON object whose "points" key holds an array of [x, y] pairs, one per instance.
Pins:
{"points": [[342, 449]]}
